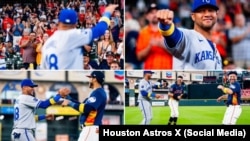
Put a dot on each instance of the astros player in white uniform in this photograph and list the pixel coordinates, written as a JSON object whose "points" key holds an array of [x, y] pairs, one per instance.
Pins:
{"points": [[145, 96], [192, 49], [64, 49], [24, 111], [233, 93]]}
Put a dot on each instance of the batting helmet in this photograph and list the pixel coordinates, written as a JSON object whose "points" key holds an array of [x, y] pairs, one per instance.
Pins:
{"points": [[98, 75]]}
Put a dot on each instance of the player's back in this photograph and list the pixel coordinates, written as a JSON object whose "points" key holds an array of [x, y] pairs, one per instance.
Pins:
{"points": [[64, 49]]}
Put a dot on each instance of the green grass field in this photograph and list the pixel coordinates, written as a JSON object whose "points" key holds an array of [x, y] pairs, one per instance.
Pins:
{"points": [[189, 115]]}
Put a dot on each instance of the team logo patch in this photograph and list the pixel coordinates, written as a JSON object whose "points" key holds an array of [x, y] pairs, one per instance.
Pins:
{"points": [[91, 99], [35, 99]]}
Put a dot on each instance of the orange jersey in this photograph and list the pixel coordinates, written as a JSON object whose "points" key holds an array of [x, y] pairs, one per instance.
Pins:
{"points": [[158, 57]]}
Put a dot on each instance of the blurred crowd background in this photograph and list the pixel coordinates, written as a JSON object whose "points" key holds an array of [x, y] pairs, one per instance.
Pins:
{"points": [[25, 25], [231, 33]]}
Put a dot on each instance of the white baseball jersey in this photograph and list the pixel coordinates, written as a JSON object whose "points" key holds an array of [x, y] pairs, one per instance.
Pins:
{"points": [[64, 49], [24, 112], [145, 102], [24, 118], [193, 51], [147, 86]]}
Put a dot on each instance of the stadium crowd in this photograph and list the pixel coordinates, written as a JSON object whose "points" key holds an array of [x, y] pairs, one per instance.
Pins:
{"points": [[25, 27], [231, 33]]}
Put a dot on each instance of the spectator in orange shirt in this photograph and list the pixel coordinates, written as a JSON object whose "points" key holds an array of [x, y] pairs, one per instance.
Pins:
{"points": [[150, 45]]}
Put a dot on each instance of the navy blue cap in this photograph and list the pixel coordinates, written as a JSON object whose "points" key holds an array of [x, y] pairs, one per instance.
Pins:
{"points": [[110, 53], [150, 72], [201, 3], [151, 7], [232, 72], [98, 75], [28, 82], [68, 16], [180, 76]]}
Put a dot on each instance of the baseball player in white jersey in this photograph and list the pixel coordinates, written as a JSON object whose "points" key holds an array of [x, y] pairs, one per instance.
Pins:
{"points": [[145, 96], [24, 111], [64, 49], [192, 49], [233, 103]]}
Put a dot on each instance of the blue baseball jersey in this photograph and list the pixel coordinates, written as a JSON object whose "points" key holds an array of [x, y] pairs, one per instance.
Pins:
{"points": [[177, 89], [235, 98], [97, 99]]}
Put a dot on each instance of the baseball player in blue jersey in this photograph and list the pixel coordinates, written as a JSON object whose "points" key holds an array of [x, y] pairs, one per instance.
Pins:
{"points": [[145, 96], [233, 93], [64, 49], [177, 91], [24, 111], [192, 49], [92, 109]]}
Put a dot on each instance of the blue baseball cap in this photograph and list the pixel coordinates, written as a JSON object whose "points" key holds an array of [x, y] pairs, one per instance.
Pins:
{"points": [[28, 82], [150, 72], [201, 3], [68, 16]]}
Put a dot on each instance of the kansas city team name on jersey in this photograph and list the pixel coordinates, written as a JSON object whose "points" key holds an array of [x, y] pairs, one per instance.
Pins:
{"points": [[204, 55]]}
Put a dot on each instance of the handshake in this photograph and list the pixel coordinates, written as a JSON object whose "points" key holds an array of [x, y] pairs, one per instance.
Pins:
{"points": [[64, 92]]}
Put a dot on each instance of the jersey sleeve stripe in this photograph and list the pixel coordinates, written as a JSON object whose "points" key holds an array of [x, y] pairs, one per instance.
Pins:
{"points": [[81, 108], [167, 32], [52, 101]]}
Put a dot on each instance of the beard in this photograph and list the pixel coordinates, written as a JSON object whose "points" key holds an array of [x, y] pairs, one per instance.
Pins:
{"points": [[90, 84], [207, 27]]}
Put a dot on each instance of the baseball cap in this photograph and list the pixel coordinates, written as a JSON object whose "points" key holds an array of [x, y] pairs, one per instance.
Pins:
{"points": [[28, 82], [232, 72], [98, 75], [180, 77], [110, 53], [201, 3], [68, 16], [151, 7], [86, 54], [150, 72]]}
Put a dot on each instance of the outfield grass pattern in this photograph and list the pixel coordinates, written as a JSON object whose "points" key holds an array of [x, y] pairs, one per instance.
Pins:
{"points": [[189, 115]]}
